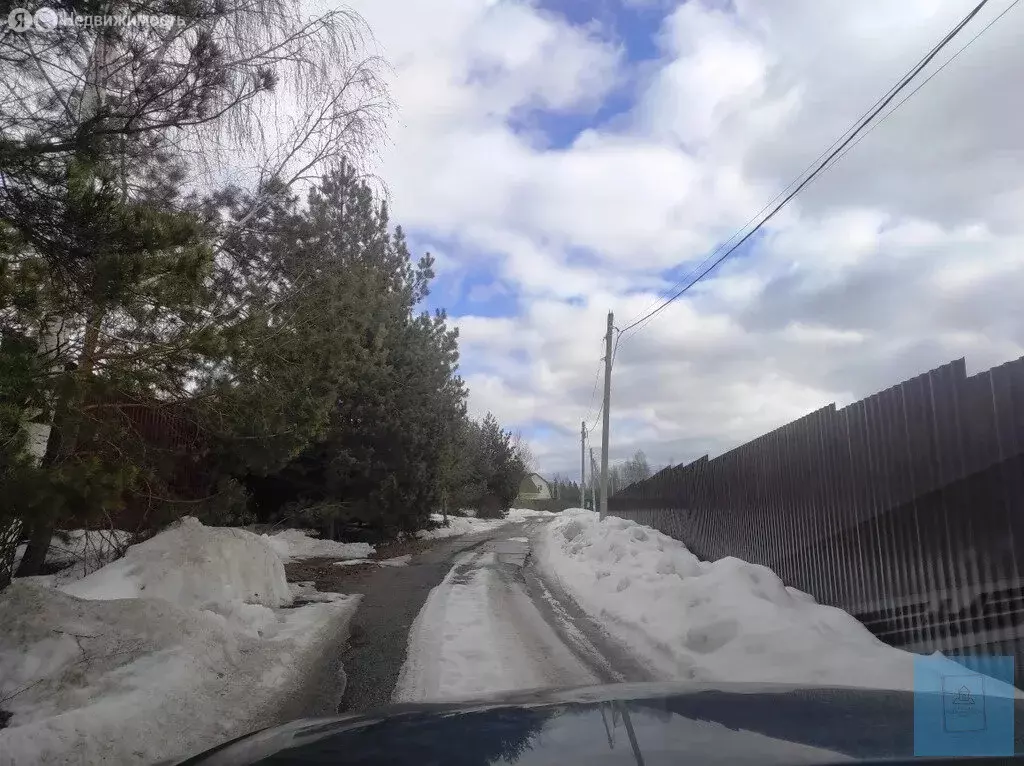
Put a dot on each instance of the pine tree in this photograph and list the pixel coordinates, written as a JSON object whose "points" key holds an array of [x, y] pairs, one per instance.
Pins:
{"points": [[382, 458], [493, 468]]}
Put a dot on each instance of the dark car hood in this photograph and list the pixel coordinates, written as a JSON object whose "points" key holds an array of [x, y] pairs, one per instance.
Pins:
{"points": [[649, 724]]}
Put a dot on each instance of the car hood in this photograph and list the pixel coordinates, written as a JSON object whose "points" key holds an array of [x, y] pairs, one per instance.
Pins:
{"points": [[645, 724]]}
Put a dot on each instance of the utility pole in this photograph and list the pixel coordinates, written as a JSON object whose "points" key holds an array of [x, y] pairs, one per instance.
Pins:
{"points": [[607, 404], [583, 463], [593, 481]]}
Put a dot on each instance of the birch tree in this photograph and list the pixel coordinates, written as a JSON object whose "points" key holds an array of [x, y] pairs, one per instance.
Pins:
{"points": [[109, 134]]}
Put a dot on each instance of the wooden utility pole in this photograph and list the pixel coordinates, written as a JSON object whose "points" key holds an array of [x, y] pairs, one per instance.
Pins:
{"points": [[607, 404], [583, 463], [593, 481]]}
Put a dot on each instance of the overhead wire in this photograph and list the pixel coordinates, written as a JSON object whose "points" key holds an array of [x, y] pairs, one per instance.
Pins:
{"points": [[593, 394], [593, 426], [924, 82], [665, 293], [600, 410], [821, 166], [792, 183]]}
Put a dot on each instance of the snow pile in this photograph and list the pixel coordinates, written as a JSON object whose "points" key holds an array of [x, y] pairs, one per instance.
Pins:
{"points": [[294, 544], [726, 620], [192, 565], [162, 654]]}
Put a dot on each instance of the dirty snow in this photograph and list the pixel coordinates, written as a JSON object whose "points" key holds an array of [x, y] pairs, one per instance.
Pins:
{"points": [[307, 592], [526, 514], [162, 654], [397, 561], [459, 525], [726, 620], [294, 544]]}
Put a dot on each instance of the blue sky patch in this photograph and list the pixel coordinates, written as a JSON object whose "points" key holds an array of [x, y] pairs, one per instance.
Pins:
{"points": [[636, 29], [464, 283], [550, 130], [483, 294], [635, 26]]}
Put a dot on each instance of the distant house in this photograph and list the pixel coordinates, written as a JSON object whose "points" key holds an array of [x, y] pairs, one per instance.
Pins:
{"points": [[534, 487]]}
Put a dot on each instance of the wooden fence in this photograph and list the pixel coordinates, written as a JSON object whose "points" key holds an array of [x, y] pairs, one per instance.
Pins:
{"points": [[905, 508]]}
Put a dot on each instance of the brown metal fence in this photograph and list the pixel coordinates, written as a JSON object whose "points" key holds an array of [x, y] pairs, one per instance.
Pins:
{"points": [[166, 438], [905, 508]]}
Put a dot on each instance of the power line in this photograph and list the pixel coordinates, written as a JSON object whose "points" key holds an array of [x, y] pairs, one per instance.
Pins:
{"points": [[615, 350], [821, 166], [802, 173], [593, 393], [924, 82], [772, 201], [593, 426], [600, 410]]}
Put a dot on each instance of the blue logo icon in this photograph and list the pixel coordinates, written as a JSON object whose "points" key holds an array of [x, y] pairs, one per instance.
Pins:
{"points": [[963, 705]]}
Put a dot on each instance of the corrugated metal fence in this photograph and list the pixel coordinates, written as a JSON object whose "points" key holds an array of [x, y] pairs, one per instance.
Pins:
{"points": [[905, 508], [165, 437]]}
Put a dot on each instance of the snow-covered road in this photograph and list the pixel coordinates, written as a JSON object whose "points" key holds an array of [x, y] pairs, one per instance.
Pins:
{"points": [[494, 625]]}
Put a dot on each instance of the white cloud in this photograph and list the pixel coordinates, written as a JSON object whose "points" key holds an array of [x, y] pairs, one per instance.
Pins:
{"points": [[904, 256]]}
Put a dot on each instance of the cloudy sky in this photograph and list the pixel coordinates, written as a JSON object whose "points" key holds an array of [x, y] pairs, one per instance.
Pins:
{"points": [[563, 158]]}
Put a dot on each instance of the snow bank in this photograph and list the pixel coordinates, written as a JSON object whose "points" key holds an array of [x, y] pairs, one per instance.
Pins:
{"points": [[298, 544], [191, 564], [164, 653], [726, 620]]}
